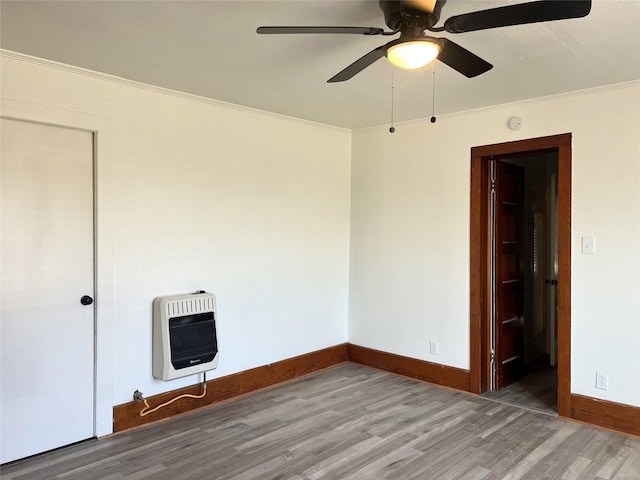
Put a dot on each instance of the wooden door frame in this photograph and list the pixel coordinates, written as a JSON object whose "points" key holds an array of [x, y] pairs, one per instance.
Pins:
{"points": [[480, 259]]}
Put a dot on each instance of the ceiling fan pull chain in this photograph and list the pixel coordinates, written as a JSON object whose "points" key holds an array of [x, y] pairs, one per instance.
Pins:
{"points": [[433, 95], [392, 128]]}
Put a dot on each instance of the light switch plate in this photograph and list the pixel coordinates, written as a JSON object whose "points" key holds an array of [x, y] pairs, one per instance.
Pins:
{"points": [[588, 245]]}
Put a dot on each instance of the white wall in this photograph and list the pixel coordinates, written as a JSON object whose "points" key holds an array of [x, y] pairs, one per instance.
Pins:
{"points": [[255, 208], [200, 195], [410, 232]]}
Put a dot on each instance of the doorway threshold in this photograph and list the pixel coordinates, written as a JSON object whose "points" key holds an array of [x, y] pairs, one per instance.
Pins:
{"points": [[543, 411], [536, 391]]}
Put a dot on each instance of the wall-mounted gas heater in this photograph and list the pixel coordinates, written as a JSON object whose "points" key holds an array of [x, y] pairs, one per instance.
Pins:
{"points": [[185, 339]]}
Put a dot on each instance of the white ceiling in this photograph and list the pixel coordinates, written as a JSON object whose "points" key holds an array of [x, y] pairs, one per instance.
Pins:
{"points": [[211, 49]]}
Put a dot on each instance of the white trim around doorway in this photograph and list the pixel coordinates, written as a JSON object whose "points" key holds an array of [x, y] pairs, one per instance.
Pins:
{"points": [[103, 224]]}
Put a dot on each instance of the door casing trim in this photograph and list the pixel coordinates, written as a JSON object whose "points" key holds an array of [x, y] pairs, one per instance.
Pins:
{"points": [[103, 189], [479, 300]]}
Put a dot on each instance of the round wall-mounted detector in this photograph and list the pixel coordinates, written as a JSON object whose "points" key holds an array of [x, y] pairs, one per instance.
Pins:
{"points": [[515, 123]]}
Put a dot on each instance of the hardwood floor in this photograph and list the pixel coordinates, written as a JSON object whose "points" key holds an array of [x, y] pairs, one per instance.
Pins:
{"points": [[538, 391], [348, 422]]}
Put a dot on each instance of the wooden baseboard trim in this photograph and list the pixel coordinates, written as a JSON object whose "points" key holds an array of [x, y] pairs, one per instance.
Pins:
{"points": [[127, 415], [611, 415], [410, 367]]}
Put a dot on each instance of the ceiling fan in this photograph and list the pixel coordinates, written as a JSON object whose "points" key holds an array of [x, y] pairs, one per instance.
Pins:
{"points": [[415, 49]]}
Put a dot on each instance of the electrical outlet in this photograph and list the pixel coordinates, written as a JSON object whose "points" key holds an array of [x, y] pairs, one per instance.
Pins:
{"points": [[602, 381], [433, 347]]}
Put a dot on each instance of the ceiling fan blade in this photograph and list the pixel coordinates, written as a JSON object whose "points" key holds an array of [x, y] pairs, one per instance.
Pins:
{"points": [[287, 30], [519, 14], [359, 65], [462, 60]]}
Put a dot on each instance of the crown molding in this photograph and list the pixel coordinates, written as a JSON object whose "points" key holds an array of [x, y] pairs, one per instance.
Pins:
{"points": [[154, 88]]}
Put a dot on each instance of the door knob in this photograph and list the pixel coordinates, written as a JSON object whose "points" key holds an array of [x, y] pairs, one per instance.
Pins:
{"points": [[86, 300]]}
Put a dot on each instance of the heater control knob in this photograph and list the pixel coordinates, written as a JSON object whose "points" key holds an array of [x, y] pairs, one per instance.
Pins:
{"points": [[86, 300]]}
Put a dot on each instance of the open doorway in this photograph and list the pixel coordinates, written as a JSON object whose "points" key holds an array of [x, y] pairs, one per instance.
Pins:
{"points": [[544, 166], [523, 224]]}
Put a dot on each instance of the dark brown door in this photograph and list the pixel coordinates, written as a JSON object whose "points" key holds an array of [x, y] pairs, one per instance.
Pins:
{"points": [[509, 298]]}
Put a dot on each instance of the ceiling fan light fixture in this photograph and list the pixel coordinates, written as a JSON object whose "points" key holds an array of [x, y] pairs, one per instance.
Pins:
{"points": [[414, 53]]}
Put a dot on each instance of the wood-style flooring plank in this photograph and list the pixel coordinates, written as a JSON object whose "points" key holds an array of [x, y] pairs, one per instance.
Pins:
{"points": [[348, 422], [536, 391]]}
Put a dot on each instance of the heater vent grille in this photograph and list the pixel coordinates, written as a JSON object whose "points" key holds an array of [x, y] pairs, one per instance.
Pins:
{"points": [[189, 306], [185, 340]]}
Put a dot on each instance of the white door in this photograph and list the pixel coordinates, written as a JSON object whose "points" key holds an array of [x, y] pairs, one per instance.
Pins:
{"points": [[46, 334]]}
